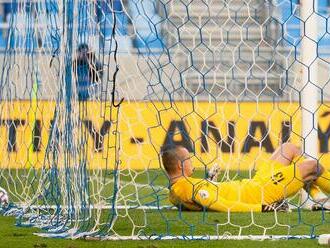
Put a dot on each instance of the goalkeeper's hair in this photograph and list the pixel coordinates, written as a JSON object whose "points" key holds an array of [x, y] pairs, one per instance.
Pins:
{"points": [[170, 157]]}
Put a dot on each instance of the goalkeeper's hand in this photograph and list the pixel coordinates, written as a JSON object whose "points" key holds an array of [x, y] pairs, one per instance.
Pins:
{"points": [[279, 206], [4, 200], [213, 173]]}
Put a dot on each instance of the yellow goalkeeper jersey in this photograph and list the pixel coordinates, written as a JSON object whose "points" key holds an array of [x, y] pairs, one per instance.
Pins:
{"points": [[273, 182], [194, 194]]}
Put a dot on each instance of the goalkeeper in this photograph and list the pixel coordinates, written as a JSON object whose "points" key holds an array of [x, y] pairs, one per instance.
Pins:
{"points": [[276, 179]]}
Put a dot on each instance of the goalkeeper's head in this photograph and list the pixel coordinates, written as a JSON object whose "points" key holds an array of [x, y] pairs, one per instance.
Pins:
{"points": [[176, 161]]}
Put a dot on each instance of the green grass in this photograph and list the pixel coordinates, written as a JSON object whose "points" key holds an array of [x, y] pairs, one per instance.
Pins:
{"points": [[152, 189], [13, 236]]}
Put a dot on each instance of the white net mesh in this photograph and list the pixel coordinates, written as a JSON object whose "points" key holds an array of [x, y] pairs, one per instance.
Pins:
{"points": [[223, 78]]}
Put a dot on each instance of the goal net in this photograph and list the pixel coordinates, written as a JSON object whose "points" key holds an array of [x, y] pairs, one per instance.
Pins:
{"points": [[91, 91]]}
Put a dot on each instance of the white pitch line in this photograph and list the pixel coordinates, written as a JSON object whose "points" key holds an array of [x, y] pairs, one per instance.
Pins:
{"points": [[139, 185], [142, 207], [197, 237], [213, 237]]}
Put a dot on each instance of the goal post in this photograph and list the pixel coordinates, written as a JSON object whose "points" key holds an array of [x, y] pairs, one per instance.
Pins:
{"points": [[311, 97], [117, 81], [309, 94]]}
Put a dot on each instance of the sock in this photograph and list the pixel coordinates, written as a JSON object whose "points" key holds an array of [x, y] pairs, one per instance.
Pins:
{"points": [[323, 181]]}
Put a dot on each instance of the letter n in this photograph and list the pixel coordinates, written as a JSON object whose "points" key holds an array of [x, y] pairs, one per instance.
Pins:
{"points": [[175, 128], [208, 127]]}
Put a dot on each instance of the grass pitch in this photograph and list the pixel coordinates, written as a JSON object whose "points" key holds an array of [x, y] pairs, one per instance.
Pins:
{"points": [[152, 188], [18, 237]]}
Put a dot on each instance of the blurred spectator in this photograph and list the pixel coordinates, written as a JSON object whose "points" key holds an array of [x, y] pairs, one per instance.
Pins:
{"points": [[88, 71]]}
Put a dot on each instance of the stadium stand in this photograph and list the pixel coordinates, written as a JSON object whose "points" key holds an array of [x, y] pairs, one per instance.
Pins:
{"points": [[256, 70]]}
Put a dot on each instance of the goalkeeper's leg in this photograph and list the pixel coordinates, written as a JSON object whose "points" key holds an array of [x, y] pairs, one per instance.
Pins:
{"points": [[286, 153], [284, 181], [315, 173], [323, 180]]}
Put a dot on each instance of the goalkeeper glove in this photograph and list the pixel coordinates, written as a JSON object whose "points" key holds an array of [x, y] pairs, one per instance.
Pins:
{"points": [[3, 198], [213, 173], [279, 206]]}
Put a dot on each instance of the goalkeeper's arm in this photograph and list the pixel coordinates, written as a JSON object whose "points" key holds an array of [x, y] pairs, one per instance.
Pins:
{"points": [[209, 199], [224, 205]]}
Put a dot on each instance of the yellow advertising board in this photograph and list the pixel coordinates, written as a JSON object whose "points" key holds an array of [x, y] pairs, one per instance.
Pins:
{"points": [[234, 135]]}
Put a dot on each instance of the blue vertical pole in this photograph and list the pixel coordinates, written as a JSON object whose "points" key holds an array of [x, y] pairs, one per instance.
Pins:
{"points": [[69, 12], [83, 30], [12, 29], [53, 38], [30, 41]]}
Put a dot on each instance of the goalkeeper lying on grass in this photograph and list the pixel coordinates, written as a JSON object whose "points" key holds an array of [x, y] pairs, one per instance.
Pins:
{"points": [[276, 180]]}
